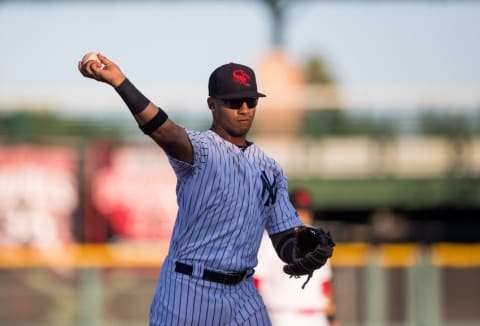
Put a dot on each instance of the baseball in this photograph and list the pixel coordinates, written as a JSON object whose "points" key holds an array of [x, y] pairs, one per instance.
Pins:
{"points": [[90, 56]]}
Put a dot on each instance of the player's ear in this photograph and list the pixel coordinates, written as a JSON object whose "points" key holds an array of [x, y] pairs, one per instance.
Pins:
{"points": [[211, 104]]}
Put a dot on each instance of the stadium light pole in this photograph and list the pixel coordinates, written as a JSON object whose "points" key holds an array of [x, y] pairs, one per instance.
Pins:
{"points": [[277, 10]]}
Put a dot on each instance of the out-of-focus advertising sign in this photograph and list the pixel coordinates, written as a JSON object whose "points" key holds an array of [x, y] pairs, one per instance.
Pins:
{"points": [[38, 195], [135, 192]]}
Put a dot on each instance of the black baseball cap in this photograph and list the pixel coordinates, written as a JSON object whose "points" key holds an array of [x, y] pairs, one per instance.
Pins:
{"points": [[232, 81]]}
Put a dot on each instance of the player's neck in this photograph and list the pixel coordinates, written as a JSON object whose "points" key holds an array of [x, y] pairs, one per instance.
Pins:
{"points": [[240, 141]]}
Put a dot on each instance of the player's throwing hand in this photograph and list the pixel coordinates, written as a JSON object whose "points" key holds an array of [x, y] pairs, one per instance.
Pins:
{"points": [[103, 70]]}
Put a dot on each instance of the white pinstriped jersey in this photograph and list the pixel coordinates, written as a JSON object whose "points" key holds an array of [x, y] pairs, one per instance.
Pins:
{"points": [[226, 199]]}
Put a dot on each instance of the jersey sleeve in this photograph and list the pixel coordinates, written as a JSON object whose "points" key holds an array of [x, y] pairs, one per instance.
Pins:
{"points": [[183, 169], [281, 215]]}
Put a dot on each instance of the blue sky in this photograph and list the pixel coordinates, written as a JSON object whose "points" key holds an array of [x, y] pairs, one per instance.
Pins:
{"points": [[177, 45]]}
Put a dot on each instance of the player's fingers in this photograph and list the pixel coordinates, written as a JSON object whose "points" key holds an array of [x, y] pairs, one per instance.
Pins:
{"points": [[103, 59], [83, 68], [91, 69], [95, 67], [87, 69], [80, 67], [108, 65]]}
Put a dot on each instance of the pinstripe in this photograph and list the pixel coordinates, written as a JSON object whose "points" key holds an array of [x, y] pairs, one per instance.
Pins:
{"points": [[183, 296], [196, 308], [224, 207]]}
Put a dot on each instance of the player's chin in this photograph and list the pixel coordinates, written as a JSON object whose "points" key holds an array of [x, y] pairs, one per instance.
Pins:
{"points": [[242, 130]]}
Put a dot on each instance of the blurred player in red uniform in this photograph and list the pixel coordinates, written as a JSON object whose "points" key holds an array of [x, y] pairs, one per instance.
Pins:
{"points": [[286, 302]]}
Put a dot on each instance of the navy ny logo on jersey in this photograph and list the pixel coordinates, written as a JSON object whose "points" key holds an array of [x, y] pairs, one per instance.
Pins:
{"points": [[270, 189]]}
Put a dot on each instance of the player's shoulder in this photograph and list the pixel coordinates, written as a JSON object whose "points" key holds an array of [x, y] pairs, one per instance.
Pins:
{"points": [[206, 136], [264, 159], [200, 137], [195, 133]]}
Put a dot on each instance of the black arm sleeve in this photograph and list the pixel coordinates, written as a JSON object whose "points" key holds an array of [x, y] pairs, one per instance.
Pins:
{"points": [[284, 244], [133, 98]]}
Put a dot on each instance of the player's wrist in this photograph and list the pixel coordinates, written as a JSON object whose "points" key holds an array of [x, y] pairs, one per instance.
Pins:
{"points": [[133, 98], [117, 81]]}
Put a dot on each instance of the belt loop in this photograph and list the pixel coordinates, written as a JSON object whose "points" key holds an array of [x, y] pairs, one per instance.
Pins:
{"points": [[198, 270]]}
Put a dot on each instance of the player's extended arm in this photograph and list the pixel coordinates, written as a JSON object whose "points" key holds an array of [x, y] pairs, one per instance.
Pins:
{"points": [[151, 119]]}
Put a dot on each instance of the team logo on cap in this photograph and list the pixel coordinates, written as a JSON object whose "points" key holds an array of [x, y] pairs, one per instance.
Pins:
{"points": [[241, 77]]}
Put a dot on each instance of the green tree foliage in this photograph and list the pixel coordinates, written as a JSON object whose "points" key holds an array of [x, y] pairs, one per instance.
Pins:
{"points": [[335, 122], [450, 125], [38, 127], [317, 71]]}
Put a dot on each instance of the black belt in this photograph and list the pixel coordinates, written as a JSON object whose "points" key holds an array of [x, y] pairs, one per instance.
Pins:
{"points": [[208, 275]]}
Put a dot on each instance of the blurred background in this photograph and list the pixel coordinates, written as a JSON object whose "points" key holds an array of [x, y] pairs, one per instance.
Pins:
{"points": [[373, 106]]}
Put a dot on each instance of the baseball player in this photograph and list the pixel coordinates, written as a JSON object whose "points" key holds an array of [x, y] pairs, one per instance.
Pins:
{"points": [[286, 304], [228, 192]]}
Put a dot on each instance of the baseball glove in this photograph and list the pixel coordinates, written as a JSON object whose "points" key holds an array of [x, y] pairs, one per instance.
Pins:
{"points": [[313, 246]]}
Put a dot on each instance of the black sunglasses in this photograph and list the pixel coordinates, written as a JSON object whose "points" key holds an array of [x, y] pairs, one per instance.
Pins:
{"points": [[238, 102]]}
